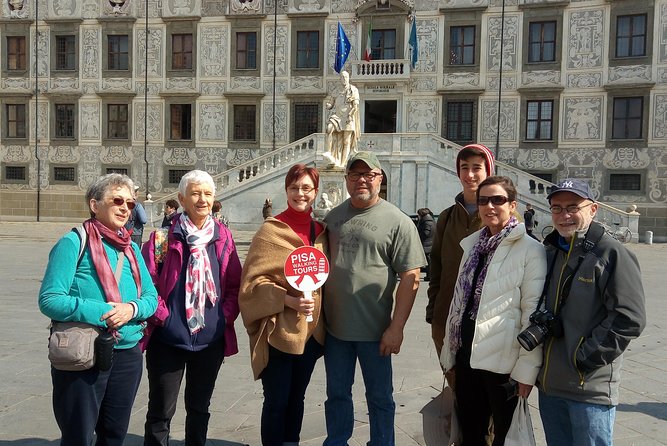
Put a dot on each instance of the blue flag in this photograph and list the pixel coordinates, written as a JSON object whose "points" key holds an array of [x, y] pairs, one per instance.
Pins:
{"points": [[342, 49], [414, 46]]}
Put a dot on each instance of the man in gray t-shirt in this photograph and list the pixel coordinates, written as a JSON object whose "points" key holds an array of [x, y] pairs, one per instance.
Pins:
{"points": [[371, 243]]}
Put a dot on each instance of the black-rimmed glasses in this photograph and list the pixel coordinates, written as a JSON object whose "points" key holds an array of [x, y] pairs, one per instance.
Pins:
{"points": [[368, 176], [569, 209]]}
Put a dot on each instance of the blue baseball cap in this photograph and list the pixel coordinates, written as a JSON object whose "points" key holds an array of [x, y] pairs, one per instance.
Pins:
{"points": [[578, 187]]}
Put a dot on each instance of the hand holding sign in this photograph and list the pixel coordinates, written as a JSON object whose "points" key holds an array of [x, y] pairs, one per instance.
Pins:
{"points": [[306, 269]]}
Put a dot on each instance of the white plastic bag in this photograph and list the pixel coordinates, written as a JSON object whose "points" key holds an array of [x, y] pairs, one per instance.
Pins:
{"points": [[521, 429]]}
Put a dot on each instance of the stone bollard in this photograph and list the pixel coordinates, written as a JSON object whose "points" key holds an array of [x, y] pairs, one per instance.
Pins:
{"points": [[649, 238]]}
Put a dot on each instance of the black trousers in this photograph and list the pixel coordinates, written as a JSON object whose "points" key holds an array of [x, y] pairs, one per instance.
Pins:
{"points": [[285, 380], [479, 395], [93, 402], [166, 366]]}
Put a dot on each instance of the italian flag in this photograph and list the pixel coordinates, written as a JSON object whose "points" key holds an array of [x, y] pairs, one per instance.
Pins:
{"points": [[368, 51]]}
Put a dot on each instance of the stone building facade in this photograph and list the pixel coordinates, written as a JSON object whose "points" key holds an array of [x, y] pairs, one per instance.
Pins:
{"points": [[211, 84]]}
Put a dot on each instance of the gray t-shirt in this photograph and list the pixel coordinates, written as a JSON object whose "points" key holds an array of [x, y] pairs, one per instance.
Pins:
{"points": [[368, 247]]}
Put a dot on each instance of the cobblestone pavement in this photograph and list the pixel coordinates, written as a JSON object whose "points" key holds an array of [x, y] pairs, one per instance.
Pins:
{"points": [[26, 417]]}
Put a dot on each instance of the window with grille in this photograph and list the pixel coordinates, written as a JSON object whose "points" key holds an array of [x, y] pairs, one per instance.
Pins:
{"points": [[64, 174], [246, 50], [460, 117], [181, 51], [244, 122], [306, 119], [542, 42], [181, 121], [65, 53], [175, 175], [462, 45], [539, 120], [16, 121], [118, 52], [120, 170], [383, 44], [625, 181], [64, 120], [117, 121], [15, 173], [308, 49], [16, 53], [628, 117], [631, 35]]}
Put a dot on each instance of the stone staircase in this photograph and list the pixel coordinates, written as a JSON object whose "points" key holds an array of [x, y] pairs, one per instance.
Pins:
{"points": [[423, 148]]}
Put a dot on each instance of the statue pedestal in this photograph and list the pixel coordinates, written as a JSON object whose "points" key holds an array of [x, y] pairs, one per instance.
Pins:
{"points": [[332, 183]]}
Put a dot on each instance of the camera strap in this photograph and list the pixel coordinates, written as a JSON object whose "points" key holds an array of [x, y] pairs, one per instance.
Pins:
{"points": [[593, 236]]}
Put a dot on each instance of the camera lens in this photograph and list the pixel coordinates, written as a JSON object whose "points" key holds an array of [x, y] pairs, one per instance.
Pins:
{"points": [[532, 336]]}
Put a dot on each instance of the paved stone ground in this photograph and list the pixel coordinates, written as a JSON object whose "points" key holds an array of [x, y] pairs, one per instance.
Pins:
{"points": [[26, 418]]}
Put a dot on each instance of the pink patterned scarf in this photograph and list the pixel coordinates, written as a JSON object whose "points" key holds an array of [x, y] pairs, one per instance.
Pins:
{"points": [[199, 282], [121, 241]]}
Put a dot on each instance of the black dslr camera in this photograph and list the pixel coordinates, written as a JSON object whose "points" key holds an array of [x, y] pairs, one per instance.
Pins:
{"points": [[544, 323]]}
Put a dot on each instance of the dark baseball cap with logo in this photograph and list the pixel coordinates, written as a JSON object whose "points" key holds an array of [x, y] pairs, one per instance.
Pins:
{"points": [[578, 187], [367, 157]]}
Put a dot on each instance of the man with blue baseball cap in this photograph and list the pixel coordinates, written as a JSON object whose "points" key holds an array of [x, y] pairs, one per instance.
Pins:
{"points": [[591, 308]]}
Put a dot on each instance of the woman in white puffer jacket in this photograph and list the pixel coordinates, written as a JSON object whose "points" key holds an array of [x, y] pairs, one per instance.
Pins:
{"points": [[500, 280]]}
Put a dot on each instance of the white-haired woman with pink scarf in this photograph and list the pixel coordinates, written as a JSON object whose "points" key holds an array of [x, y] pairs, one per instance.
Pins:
{"points": [[197, 277]]}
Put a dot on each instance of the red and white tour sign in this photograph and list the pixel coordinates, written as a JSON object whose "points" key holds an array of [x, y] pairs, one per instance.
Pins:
{"points": [[306, 269]]}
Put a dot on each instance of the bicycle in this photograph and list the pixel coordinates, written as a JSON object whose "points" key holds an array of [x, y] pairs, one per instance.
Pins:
{"points": [[548, 229], [621, 233]]}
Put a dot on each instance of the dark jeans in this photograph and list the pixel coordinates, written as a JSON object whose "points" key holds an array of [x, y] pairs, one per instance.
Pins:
{"points": [[479, 395], [136, 238], [166, 365], [93, 402], [285, 380]]}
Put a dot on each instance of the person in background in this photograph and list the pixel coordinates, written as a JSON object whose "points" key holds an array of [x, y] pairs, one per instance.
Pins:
{"points": [[474, 163], [284, 347], [80, 286], [170, 211], [426, 230], [217, 207], [500, 281], [529, 220], [372, 245], [135, 224], [197, 277], [594, 288]]}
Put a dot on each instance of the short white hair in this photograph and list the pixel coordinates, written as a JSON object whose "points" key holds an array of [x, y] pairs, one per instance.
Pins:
{"points": [[195, 177]]}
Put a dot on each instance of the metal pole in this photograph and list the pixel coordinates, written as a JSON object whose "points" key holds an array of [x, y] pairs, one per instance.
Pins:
{"points": [[500, 76], [275, 42], [146, 104], [39, 163]]}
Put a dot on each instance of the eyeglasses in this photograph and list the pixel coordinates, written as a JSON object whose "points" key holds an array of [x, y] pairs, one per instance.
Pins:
{"points": [[304, 189], [119, 202], [569, 209], [368, 176], [496, 200]]}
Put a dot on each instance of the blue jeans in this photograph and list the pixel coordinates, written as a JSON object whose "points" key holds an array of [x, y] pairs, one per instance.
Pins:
{"points": [[568, 422], [285, 380], [340, 359]]}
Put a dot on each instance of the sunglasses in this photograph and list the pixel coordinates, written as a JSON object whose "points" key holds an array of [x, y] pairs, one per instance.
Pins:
{"points": [[119, 202], [496, 200]]}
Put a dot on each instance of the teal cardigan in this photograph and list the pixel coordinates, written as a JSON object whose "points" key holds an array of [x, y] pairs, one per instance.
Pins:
{"points": [[71, 293]]}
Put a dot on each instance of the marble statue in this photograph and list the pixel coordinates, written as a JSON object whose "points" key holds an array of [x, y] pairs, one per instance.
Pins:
{"points": [[343, 127]]}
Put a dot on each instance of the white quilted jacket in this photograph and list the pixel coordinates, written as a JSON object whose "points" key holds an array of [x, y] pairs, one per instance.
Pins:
{"points": [[510, 293]]}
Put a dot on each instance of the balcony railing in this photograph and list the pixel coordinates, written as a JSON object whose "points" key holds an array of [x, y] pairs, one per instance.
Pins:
{"points": [[377, 70]]}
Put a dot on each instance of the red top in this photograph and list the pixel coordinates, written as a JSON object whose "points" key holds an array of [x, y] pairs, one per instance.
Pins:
{"points": [[300, 223]]}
